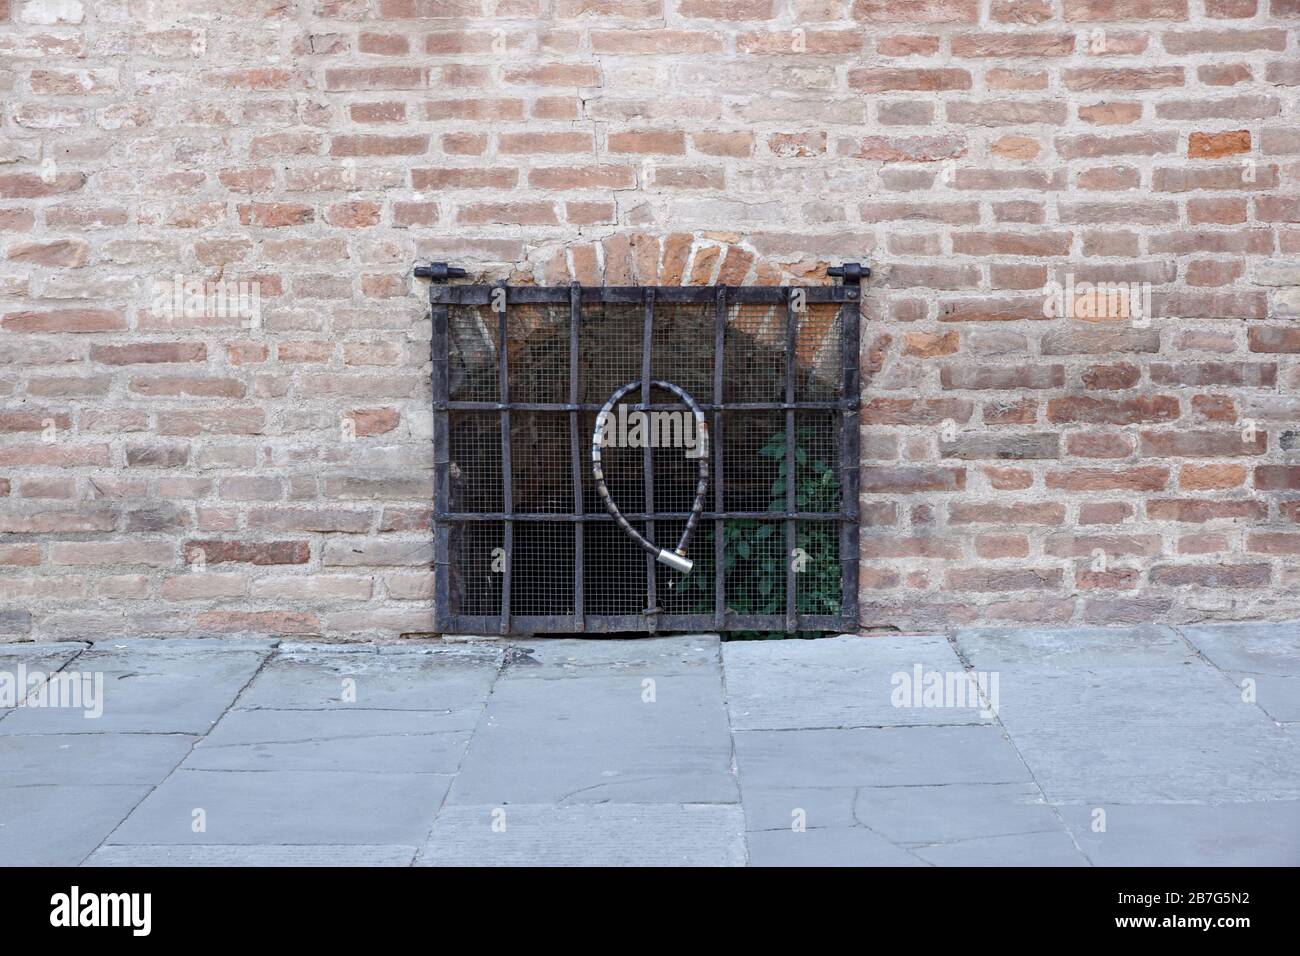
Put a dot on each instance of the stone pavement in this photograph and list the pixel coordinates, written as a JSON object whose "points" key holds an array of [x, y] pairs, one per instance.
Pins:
{"points": [[1149, 745]]}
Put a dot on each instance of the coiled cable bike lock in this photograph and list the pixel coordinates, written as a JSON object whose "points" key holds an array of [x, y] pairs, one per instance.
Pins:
{"points": [[676, 558]]}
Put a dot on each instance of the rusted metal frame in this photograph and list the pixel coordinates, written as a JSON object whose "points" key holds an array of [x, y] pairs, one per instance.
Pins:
{"points": [[647, 457], [635, 295], [575, 448], [719, 499], [847, 294], [791, 491]]}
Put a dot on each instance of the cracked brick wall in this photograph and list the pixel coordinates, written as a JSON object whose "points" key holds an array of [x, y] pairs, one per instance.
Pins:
{"points": [[166, 473]]}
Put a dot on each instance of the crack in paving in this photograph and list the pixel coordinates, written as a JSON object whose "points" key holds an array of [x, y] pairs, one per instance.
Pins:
{"points": [[1006, 735], [267, 656]]}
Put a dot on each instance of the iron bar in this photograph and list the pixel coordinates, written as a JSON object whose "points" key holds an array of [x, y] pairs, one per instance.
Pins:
{"points": [[647, 456], [439, 355], [850, 419], [507, 471], [576, 453], [719, 524], [461, 406], [791, 492], [635, 295], [560, 516]]}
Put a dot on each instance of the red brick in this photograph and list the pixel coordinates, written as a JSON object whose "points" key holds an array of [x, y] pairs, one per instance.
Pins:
{"points": [[1098, 445], [1104, 512], [1273, 543], [65, 320], [916, 11], [373, 144], [999, 513], [148, 353], [1201, 444], [477, 177], [1008, 479], [911, 480], [1211, 575], [275, 214], [1215, 145], [1211, 477], [246, 552], [1201, 510], [907, 411], [1002, 376], [1183, 42], [1115, 10], [1120, 375], [1277, 477], [1123, 579], [1011, 579], [994, 546], [539, 143], [1144, 478], [872, 80], [1113, 411], [1274, 339], [298, 623], [651, 142]]}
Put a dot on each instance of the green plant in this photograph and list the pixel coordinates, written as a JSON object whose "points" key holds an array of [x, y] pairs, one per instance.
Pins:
{"points": [[755, 550]]}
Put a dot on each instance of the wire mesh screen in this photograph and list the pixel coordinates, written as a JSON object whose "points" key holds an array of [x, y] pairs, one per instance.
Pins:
{"points": [[523, 541]]}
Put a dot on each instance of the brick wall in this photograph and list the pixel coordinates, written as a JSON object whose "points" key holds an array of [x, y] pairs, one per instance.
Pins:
{"points": [[1017, 467]]}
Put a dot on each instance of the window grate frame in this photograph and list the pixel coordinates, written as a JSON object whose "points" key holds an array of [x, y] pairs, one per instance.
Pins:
{"points": [[446, 520]]}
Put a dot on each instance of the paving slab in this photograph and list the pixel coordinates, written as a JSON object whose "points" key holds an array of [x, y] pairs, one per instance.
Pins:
{"points": [[1131, 715], [1268, 655], [28, 660], [1021, 849], [606, 834], [40, 655], [1226, 834], [151, 686], [1074, 649], [393, 741], [943, 814], [1248, 648], [826, 846], [888, 756], [60, 825], [287, 807], [595, 738], [453, 681], [778, 808], [648, 656], [89, 759], [273, 855], [839, 682]]}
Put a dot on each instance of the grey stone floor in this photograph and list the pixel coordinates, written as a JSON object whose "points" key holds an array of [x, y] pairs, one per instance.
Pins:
{"points": [[1149, 745]]}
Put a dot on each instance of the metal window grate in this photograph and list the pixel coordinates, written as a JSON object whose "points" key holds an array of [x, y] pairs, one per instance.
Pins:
{"points": [[522, 540]]}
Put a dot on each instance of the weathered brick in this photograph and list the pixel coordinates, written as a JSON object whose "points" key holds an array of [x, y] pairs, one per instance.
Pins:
{"points": [[1211, 575], [1202, 510], [1011, 579], [1202, 444], [1142, 478], [214, 551], [1113, 411], [1277, 477]]}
